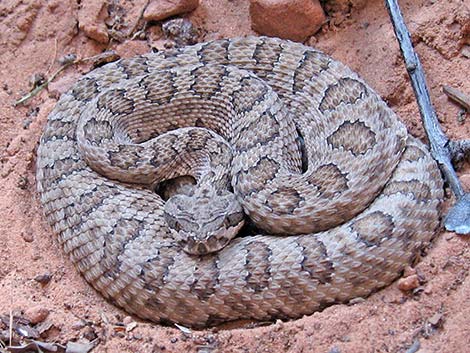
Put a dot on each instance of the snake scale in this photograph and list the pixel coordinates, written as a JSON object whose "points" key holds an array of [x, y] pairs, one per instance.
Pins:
{"points": [[295, 157]]}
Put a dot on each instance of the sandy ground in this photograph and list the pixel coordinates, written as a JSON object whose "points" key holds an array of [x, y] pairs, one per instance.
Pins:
{"points": [[33, 33]]}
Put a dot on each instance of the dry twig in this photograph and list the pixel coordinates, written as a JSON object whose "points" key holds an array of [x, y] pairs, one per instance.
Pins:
{"points": [[98, 59], [457, 96], [458, 219]]}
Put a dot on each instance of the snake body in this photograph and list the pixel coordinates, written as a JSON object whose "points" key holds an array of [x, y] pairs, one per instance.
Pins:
{"points": [[340, 197]]}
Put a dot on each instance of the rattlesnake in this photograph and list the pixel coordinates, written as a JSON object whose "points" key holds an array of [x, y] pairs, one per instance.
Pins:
{"points": [[338, 197]]}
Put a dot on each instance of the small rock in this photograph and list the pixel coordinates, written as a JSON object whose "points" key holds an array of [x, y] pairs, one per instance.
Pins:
{"points": [[290, 19], [278, 326], [78, 325], [161, 9], [408, 283], [26, 123], [27, 236], [80, 347], [409, 271], [67, 59], [181, 31], [52, 5], [96, 32], [89, 333], [137, 336], [37, 80], [436, 319], [36, 314], [22, 182], [428, 290], [44, 328], [357, 300], [127, 320], [449, 236], [7, 89], [466, 51], [43, 279], [131, 326]]}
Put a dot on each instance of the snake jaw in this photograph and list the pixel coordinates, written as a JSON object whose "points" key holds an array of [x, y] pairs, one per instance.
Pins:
{"points": [[204, 244], [204, 222]]}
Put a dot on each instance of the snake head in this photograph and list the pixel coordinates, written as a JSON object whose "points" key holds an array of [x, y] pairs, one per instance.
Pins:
{"points": [[203, 220]]}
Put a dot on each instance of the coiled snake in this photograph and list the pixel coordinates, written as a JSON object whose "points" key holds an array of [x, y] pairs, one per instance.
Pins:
{"points": [[337, 197]]}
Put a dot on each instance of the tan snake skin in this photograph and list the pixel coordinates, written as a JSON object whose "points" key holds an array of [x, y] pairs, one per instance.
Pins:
{"points": [[342, 198]]}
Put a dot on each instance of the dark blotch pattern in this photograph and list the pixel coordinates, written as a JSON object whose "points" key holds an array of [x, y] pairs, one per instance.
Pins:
{"points": [[329, 180], [125, 230], [284, 200], [315, 259], [312, 64], [58, 130], [115, 100], [355, 137], [155, 270], [263, 55], [419, 190], [206, 275], [374, 227], [267, 129], [85, 90], [98, 131], [253, 180], [214, 52], [135, 67], [159, 90], [126, 156], [257, 265], [346, 91], [196, 140], [208, 80], [252, 90], [412, 154]]}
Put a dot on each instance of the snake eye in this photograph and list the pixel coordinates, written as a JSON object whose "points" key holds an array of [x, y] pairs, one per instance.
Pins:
{"points": [[173, 223], [233, 219]]}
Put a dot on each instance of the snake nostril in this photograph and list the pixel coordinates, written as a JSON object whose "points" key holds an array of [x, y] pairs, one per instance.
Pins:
{"points": [[233, 219], [202, 249]]}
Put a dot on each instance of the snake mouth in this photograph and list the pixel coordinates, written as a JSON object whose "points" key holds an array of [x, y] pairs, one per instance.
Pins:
{"points": [[195, 244]]}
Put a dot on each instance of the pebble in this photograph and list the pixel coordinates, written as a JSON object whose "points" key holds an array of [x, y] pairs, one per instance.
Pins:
{"points": [[289, 19], [127, 320], [36, 314], [409, 271], [161, 9], [408, 283], [181, 31], [89, 333], [78, 325], [436, 319], [27, 236], [43, 279]]}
